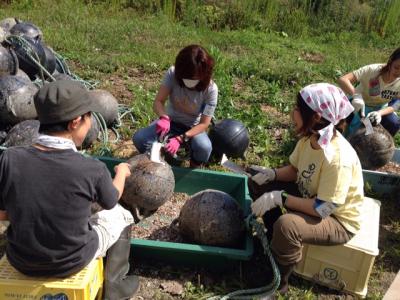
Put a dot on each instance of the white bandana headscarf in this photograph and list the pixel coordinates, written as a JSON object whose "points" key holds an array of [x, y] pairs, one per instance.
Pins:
{"points": [[333, 105], [55, 142]]}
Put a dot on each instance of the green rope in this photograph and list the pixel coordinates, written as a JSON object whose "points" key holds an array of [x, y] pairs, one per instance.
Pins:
{"points": [[123, 111], [268, 290], [32, 55], [117, 135], [62, 62], [104, 149]]}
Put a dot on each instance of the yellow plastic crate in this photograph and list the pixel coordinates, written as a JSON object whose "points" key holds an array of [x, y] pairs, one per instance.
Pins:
{"points": [[346, 267], [85, 285]]}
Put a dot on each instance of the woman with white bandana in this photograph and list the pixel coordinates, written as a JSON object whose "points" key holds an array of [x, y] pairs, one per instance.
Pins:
{"points": [[185, 118], [321, 188]]}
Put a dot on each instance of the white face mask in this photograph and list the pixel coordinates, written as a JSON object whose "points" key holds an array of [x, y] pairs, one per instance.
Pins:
{"points": [[190, 83]]}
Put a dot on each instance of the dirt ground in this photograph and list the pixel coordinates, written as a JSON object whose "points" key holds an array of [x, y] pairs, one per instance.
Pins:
{"points": [[162, 281]]}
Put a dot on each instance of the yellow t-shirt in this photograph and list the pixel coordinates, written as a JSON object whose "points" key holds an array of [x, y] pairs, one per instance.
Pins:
{"points": [[373, 89], [339, 181]]}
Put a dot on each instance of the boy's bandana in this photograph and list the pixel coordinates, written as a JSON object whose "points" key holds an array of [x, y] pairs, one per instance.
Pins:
{"points": [[55, 142], [333, 105]]}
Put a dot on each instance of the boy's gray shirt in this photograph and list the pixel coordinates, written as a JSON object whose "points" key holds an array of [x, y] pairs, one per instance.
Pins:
{"points": [[47, 196]]}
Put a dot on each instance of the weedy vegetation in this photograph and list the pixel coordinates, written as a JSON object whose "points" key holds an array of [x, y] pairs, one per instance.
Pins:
{"points": [[265, 52]]}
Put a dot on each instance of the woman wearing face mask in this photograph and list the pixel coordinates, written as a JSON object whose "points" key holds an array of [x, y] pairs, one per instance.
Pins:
{"points": [[322, 186], [192, 96], [377, 95]]}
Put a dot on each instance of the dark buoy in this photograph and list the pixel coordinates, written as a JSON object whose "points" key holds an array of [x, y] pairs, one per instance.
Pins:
{"points": [[8, 61], [212, 217], [27, 30], [8, 23], [26, 57], [374, 150], [149, 186], [22, 134], [92, 134], [108, 104], [50, 60], [16, 99], [3, 135], [230, 137]]}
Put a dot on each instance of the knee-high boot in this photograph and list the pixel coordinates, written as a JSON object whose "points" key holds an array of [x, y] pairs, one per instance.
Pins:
{"points": [[117, 285]]}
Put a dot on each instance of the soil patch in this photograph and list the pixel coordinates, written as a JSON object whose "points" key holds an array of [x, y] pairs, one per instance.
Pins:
{"points": [[121, 85], [162, 226], [391, 167], [313, 57]]}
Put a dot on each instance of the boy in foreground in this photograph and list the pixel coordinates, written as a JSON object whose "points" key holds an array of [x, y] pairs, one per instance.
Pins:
{"points": [[46, 192]]}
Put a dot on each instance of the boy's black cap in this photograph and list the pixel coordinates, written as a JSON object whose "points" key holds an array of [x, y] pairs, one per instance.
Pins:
{"points": [[62, 101]]}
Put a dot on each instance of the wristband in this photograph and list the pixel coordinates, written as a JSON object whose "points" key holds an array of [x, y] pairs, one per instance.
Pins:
{"points": [[166, 117], [284, 196], [275, 173]]}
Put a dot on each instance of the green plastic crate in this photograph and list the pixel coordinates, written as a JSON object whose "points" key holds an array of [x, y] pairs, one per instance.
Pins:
{"points": [[382, 184], [191, 181]]}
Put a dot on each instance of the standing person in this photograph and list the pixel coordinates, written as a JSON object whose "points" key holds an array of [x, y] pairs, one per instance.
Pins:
{"points": [[46, 192], [377, 94], [193, 97], [321, 188]]}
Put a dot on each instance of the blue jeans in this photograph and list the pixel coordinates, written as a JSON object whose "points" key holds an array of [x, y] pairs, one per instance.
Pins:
{"points": [[200, 145]]}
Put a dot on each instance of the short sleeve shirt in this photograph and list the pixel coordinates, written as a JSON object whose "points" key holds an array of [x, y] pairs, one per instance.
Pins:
{"points": [[339, 181], [374, 90], [186, 106], [47, 196]]}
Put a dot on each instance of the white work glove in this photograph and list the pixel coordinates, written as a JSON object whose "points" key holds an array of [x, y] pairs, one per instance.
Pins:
{"points": [[358, 104], [264, 175], [266, 202], [375, 117]]}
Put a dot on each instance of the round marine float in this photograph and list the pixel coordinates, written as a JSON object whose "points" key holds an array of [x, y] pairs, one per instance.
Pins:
{"points": [[50, 59], [22, 134], [8, 61], [92, 134], [3, 35], [212, 217], [16, 99], [61, 76], [3, 135], [21, 73], [374, 150], [30, 53], [148, 187], [8, 23], [229, 137], [27, 30], [109, 105]]}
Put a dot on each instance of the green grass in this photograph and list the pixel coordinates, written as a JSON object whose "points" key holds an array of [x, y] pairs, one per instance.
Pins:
{"points": [[258, 72]]}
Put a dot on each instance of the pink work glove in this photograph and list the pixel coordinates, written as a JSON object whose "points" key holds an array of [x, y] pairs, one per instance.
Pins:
{"points": [[173, 145], [163, 125]]}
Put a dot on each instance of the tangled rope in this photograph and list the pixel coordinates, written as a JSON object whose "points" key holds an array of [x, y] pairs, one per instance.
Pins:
{"points": [[16, 40], [44, 75], [248, 294]]}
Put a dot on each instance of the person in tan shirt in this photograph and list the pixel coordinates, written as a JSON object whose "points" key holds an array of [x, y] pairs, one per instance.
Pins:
{"points": [[375, 93], [321, 188]]}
